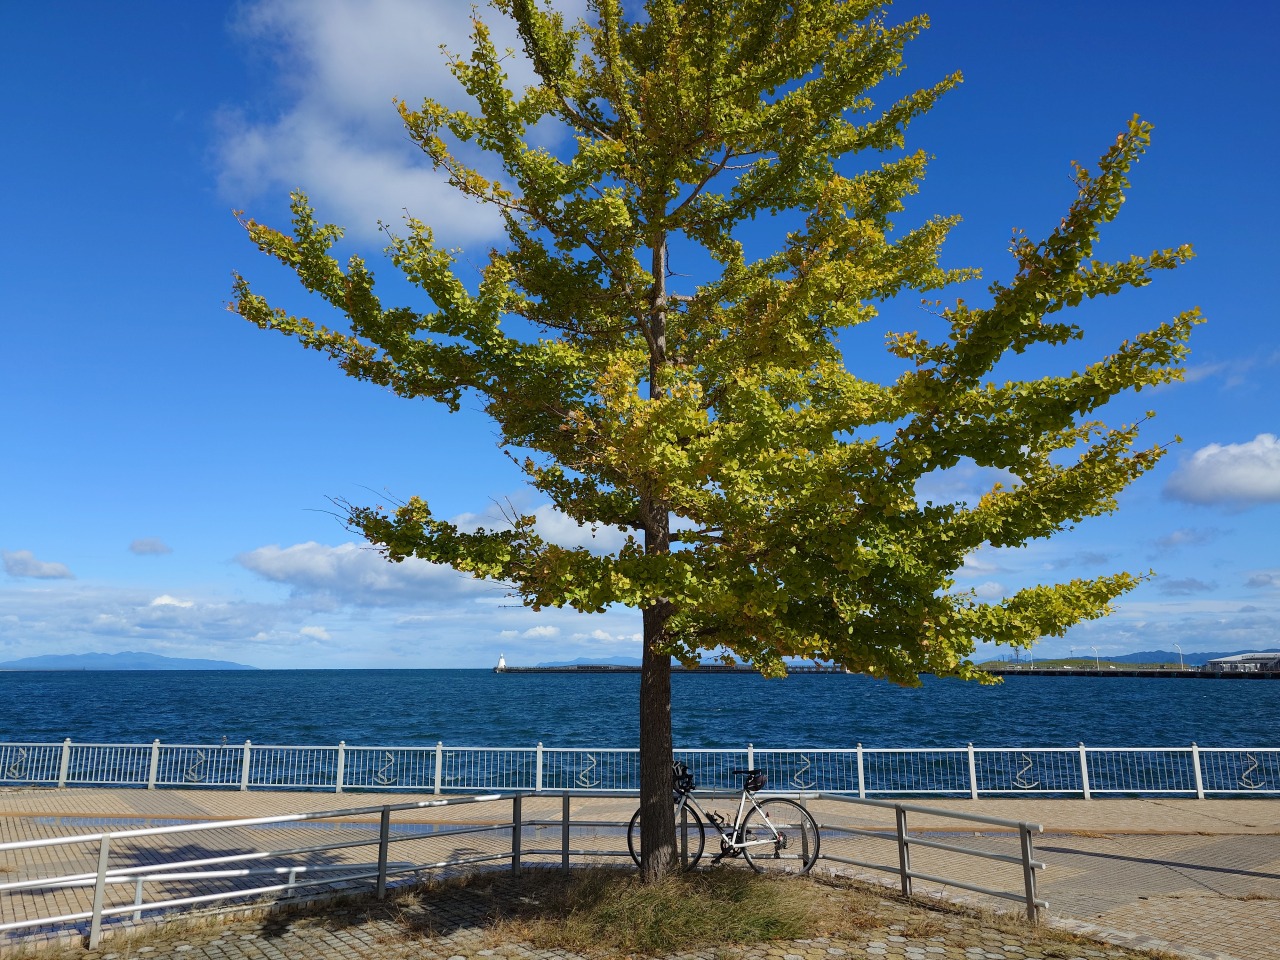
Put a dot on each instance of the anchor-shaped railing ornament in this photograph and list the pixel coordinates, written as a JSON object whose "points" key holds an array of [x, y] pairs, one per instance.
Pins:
{"points": [[584, 775], [195, 773], [797, 778], [1020, 778], [18, 769], [1245, 780], [382, 777]]}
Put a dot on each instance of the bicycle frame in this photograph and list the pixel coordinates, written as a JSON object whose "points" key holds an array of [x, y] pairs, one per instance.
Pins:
{"points": [[731, 842], [773, 833]]}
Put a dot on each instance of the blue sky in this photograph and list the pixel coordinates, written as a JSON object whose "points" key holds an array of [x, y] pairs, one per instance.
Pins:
{"points": [[167, 468]]}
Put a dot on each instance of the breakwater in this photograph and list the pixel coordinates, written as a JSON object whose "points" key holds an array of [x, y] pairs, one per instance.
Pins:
{"points": [[719, 668], [1171, 673]]}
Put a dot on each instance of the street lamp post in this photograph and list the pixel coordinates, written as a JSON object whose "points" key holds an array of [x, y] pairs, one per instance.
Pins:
{"points": [[1096, 662], [1181, 664]]}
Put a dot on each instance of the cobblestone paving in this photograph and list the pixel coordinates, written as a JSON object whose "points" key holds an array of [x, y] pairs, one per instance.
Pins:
{"points": [[455, 925], [1197, 878]]}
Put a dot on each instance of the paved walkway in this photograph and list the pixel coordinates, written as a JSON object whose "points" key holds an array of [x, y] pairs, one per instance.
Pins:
{"points": [[1196, 877]]}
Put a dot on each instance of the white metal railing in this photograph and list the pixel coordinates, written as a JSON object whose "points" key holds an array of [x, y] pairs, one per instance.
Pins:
{"points": [[973, 771], [187, 885], [231, 870]]}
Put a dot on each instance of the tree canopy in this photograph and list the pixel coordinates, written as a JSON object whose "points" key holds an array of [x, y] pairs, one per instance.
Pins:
{"points": [[650, 370]]}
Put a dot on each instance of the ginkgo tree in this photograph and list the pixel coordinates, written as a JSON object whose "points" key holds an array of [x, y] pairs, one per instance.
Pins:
{"points": [[652, 370]]}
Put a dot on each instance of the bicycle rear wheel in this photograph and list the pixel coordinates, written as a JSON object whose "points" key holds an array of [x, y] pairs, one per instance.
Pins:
{"points": [[781, 836], [691, 836]]}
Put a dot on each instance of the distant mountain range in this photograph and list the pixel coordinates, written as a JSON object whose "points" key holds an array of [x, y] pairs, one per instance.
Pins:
{"points": [[118, 661], [1154, 656]]}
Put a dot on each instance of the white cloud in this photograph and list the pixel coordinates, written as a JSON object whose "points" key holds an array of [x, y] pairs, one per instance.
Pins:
{"points": [[23, 563], [553, 526], [1263, 579], [542, 632], [357, 574], [111, 619], [567, 532], [375, 614], [149, 546], [1196, 624], [1234, 474], [990, 590], [604, 636], [333, 130], [964, 483], [976, 565]]}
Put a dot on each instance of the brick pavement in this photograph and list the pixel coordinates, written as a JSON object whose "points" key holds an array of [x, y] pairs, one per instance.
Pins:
{"points": [[1200, 877], [459, 924]]}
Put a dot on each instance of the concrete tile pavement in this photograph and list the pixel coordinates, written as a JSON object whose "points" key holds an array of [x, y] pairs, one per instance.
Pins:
{"points": [[1203, 876], [458, 924]]}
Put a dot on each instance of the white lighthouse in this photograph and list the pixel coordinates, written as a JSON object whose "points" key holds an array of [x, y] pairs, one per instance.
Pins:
{"points": [[502, 664]]}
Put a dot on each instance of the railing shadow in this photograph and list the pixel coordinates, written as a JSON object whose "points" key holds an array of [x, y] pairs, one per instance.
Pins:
{"points": [[1179, 865]]}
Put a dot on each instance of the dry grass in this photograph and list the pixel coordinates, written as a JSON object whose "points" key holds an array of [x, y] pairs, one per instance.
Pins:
{"points": [[611, 912]]}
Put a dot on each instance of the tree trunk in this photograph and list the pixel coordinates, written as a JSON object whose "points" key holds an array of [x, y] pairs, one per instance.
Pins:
{"points": [[657, 813]]}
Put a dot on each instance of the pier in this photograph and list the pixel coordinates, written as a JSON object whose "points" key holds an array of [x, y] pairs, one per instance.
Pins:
{"points": [[597, 668], [1167, 673]]}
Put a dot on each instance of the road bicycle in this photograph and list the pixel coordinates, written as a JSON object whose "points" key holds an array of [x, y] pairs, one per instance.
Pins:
{"points": [[770, 834]]}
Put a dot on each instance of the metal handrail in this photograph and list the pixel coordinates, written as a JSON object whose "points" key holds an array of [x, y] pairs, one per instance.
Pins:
{"points": [[513, 856], [905, 840], [104, 875]]}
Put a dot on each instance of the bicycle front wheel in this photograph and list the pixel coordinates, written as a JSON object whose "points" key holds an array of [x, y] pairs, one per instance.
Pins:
{"points": [[780, 836], [691, 836]]}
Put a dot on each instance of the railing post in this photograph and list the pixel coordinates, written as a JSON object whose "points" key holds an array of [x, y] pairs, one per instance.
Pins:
{"points": [[862, 787], [517, 828], [99, 892], [384, 840], [537, 778], [1029, 872], [65, 763], [439, 764], [154, 766], [904, 852], [973, 775], [1084, 772], [751, 756], [564, 831], [244, 765], [1195, 763], [342, 764]]}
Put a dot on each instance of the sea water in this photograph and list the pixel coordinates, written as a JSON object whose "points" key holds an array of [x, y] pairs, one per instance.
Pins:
{"points": [[481, 708]]}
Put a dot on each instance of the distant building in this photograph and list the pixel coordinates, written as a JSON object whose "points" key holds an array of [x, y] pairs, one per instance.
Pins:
{"points": [[1246, 663]]}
